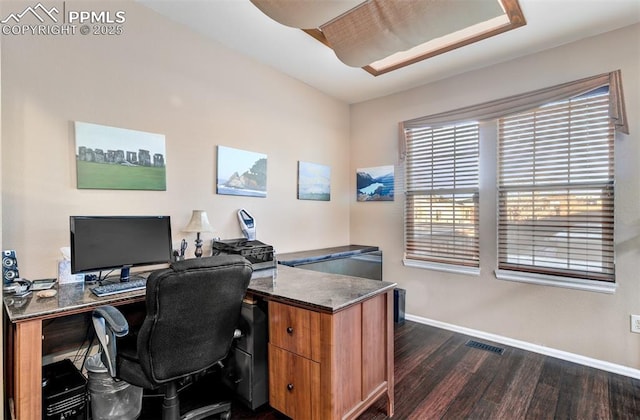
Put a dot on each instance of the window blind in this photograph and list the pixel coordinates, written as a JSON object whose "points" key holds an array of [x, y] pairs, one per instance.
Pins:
{"points": [[441, 208], [556, 189], [524, 102]]}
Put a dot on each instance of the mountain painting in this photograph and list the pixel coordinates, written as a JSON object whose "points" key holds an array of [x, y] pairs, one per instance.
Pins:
{"points": [[375, 184], [241, 172]]}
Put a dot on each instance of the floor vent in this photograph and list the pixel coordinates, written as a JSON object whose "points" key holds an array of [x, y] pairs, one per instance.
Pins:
{"points": [[483, 346]]}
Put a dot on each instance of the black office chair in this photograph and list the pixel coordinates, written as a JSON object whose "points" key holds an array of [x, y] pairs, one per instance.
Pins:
{"points": [[193, 309]]}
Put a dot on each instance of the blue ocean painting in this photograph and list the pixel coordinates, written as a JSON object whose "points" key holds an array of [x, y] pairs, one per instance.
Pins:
{"points": [[375, 184], [314, 181]]}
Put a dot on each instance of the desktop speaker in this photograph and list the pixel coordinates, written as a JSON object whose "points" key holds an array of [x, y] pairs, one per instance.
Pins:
{"points": [[9, 266], [398, 305]]}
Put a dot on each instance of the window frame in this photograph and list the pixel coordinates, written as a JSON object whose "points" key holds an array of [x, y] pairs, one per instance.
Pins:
{"points": [[566, 119], [490, 111], [431, 146]]}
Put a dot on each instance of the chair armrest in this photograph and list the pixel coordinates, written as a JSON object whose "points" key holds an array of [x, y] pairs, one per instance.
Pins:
{"points": [[109, 323], [113, 319]]}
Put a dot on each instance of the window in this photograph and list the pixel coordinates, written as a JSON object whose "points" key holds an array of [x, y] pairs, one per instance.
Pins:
{"points": [[556, 189], [555, 178], [441, 219]]}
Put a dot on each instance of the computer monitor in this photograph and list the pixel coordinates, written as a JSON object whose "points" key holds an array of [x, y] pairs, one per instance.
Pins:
{"points": [[119, 242]]}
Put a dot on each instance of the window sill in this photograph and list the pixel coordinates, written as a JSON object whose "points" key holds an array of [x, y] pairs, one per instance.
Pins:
{"points": [[448, 268], [557, 281]]}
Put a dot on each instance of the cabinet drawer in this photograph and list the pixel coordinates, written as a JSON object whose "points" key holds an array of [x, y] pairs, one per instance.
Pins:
{"points": [[294, 384], [294, 329]]}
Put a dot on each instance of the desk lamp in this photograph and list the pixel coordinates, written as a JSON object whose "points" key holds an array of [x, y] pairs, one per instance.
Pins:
{"points": [[199, 223]]}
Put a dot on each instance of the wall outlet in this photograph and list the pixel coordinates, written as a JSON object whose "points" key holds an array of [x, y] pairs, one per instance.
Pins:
{"points": [[635, 323]]}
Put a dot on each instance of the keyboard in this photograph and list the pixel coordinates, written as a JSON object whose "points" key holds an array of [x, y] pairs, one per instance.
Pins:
{"points": [[120, 287]]}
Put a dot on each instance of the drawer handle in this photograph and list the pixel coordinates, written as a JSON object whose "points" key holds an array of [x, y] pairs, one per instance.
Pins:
{"points": [[289, 330], [290, 387]]}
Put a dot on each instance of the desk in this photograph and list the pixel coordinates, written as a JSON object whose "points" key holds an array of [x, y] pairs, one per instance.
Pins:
{"points": [[25, 336], [331, 301]]}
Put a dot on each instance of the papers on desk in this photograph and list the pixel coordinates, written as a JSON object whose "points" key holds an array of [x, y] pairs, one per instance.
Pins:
{"points": [[43, 284]]}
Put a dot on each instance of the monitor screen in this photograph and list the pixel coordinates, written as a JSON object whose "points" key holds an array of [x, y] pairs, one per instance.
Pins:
{"points": [[109, 242]]}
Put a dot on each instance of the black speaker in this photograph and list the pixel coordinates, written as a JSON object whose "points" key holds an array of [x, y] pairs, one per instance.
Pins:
{"points": [[9, 266], [398, 305]]}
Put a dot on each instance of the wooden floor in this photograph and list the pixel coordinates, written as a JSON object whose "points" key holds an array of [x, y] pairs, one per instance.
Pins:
{"points": [[438, 377]]}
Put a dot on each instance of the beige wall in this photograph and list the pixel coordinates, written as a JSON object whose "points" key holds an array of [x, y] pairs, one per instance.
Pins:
{"points": [[1, 247], [585, 323], [162, 78]]}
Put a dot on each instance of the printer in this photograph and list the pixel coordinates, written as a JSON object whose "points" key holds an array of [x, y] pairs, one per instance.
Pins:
{"points": [[259, 254]]}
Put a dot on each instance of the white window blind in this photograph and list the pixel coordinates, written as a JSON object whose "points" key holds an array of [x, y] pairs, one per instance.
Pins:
{"points": [[556, 189], [441, 208]]}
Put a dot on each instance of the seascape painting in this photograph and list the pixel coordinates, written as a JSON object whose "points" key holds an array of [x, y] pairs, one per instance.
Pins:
{"points": [[314, 181], [375, 184], [119, 159], [241, 172]]}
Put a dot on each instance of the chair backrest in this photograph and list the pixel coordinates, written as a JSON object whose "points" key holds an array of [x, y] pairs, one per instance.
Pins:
{"points": [[193, 309]]}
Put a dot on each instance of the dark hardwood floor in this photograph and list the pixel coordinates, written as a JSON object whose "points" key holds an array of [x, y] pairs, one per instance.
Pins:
{"points": [[438, 377]]}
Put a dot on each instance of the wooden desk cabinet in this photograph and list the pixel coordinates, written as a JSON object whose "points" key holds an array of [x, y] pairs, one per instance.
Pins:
{"points": [[25, 336], [331, 365], [331, 340]]}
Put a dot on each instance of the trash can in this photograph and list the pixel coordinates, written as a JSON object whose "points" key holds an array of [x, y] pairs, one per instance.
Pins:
{"points": [[111, 398]]}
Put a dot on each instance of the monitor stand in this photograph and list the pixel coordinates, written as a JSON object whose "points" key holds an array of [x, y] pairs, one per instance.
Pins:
{"points": [[124, 273]]}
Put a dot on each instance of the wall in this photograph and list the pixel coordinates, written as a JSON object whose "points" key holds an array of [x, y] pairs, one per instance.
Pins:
{"points": [[159, 77], [1, 247], [585, 323]]}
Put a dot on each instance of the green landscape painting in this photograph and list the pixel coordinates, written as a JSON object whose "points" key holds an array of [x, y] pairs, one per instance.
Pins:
{"points": [[119, 158]]}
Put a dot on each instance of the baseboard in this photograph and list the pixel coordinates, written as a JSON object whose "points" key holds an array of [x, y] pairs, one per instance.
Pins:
{"points": [[547, 351]]}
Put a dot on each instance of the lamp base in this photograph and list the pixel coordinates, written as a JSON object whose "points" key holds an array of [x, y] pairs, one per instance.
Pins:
{"points": [[198, 251]]}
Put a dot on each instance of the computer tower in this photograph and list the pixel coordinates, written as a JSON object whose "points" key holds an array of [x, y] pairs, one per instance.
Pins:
{"points": [[64, 392], [246, 370]]}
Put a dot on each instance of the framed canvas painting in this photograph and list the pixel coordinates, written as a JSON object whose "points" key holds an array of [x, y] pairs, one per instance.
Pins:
{"points": [[241, 172], [314, 181], [119, 159], [375, 184]]}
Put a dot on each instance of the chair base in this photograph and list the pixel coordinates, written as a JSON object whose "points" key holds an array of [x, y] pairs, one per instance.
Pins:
{"points": [[171, 407], [223, 408]]}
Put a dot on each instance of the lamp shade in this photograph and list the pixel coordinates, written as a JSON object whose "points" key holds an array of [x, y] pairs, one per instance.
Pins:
{"points": [[199, 222]]}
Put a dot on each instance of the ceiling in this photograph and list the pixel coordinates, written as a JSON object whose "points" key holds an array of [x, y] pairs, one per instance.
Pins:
{"points": [[239, 25]]}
